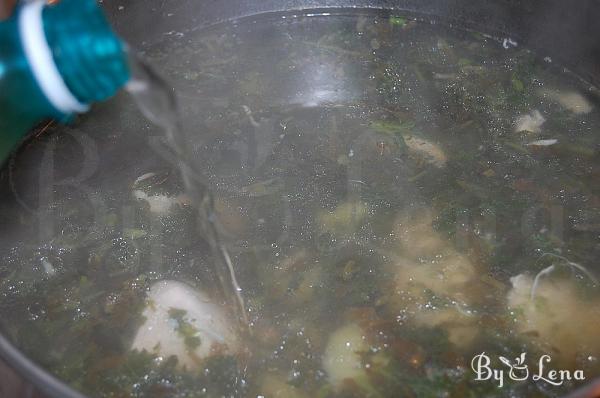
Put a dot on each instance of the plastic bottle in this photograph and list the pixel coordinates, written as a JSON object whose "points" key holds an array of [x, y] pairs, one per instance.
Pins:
{"points": [[55, 60]]}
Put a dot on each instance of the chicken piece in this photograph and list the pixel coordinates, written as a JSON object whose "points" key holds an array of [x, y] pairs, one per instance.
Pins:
{"points": [[530, 123], [570, 100], [346, 218], [342, 359], [429, 151], [160, 205], [275, 386], [429, 267], [448, 276], [459, 324], [557, 318], [183, 322]]}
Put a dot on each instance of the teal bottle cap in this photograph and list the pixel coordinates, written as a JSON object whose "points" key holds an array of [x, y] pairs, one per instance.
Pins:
{"points": [[88, 54], [75, 56]]}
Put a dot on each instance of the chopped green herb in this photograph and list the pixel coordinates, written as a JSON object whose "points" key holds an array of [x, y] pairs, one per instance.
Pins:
{"points": [[185, 329], [398, 21]]}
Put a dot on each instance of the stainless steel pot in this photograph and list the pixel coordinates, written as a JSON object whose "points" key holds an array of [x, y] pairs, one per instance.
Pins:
{"points": [[566, 31]]}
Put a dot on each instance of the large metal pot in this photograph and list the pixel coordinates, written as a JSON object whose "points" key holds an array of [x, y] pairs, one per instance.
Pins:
{"points": [[568, 32]]}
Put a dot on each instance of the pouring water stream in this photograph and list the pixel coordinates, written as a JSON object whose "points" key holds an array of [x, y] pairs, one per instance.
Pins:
{"points": [[158, 103]]}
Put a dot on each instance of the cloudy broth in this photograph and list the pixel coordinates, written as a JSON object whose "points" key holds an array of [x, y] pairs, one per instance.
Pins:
{"points": [[396, 199]]}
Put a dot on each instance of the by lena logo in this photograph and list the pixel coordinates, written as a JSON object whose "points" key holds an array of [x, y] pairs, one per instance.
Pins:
{"points": [[518, 370]]}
